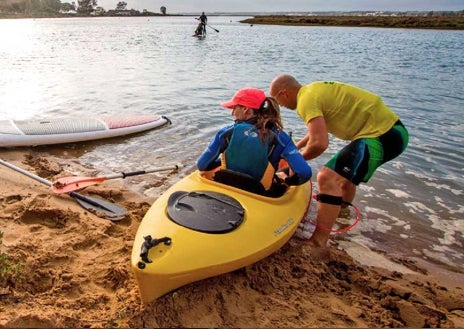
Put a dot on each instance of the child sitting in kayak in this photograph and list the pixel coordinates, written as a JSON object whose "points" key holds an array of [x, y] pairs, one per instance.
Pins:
{"points": [[254, 145]]}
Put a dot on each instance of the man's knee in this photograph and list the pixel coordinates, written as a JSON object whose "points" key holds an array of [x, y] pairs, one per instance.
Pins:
{"points": [[326, 175]]}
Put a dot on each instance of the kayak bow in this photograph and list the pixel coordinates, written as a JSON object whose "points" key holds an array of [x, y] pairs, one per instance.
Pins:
{"points": [[200, 228]]}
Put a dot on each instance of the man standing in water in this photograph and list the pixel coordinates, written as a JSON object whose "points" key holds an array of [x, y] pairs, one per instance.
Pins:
{"points": [[350, 113], [202, 25], [203, 18]]}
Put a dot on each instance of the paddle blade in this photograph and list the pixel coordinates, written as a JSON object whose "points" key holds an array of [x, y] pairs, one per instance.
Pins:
{"points": [[100, 207], [70, 184]]}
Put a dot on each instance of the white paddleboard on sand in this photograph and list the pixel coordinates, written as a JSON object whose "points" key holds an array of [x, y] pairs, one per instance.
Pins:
{"points": [[74, 129]]}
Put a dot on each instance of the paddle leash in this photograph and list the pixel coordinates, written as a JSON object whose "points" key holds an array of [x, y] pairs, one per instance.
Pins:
{"points": [[98, 207], [340, 230]]}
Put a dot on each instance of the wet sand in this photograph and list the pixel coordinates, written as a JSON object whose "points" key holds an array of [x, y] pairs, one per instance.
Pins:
{"points": [[75, 269]]}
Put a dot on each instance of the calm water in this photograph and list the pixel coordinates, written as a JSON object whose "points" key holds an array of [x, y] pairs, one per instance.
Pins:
{"points": [[413, 206]]}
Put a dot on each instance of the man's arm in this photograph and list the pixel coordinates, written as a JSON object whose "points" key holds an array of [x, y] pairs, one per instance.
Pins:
{"points": [[317, 139], [302, 142]]}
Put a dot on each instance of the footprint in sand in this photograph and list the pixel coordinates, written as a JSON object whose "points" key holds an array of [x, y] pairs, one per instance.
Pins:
{"points": [[35, 211], [53, 218], [11, 204]]}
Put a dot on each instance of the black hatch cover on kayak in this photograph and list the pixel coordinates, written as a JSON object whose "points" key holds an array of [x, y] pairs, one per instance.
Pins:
{"points": [[208, 212]]}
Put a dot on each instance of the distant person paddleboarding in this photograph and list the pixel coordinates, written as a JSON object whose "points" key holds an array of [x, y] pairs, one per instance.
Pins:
{"points": [[201, 28]]}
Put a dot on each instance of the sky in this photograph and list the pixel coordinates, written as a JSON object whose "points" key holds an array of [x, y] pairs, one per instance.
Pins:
{"points": [[211, 6]]}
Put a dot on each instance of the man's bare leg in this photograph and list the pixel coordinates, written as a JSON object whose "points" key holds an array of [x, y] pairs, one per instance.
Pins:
{"points": [[326, 216], [348, 192], [330, 184]]}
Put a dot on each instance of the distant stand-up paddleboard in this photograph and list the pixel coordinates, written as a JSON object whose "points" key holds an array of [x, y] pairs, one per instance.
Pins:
{"points": [[34, 132], [199, 35]]}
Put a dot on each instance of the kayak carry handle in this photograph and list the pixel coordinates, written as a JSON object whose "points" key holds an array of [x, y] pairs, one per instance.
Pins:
{"points": [[147, 245]]}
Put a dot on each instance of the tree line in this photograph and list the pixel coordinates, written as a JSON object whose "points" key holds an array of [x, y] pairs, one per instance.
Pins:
{"points": [[37, 8], [45, 7]]}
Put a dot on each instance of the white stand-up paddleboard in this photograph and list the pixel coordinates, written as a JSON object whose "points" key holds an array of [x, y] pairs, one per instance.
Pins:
{"points": [[74, 129]]}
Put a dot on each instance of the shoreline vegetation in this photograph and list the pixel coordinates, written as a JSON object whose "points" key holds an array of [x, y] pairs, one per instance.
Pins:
{"points": [[440, 22], [405, 22]]}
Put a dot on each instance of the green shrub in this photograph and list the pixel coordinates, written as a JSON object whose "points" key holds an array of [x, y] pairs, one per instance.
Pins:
{"points": [[11, 273]]}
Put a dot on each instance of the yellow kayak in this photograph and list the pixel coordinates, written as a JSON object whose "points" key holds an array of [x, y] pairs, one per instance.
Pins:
{"points": [[201, 228]]}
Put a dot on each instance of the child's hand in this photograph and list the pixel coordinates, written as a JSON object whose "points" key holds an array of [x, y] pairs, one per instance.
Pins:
{"points": [[281, 174]]}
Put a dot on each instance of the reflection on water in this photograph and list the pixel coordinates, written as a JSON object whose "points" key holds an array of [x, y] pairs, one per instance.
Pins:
{"points": [[79, 66]]}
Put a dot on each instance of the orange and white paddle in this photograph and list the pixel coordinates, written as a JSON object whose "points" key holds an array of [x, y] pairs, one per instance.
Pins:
{"points": [[74, 183]]}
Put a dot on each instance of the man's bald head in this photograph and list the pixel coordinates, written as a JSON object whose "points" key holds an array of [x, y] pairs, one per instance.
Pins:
{"points": [[284, 88]]}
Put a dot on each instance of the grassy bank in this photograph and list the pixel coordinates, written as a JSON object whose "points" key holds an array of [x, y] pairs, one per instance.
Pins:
{"points": [[413, 22]]}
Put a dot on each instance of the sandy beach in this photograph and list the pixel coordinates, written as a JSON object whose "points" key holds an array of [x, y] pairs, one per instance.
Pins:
{"points": [[63, 266]]}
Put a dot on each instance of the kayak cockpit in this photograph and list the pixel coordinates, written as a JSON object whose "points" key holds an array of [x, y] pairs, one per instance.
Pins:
{"points": [[244, 182]]}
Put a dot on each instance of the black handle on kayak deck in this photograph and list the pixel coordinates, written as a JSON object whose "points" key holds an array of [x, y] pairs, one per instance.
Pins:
{"points": [[147, 245]]}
